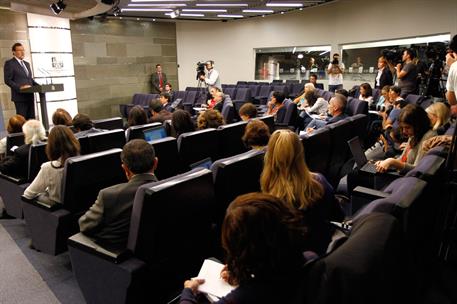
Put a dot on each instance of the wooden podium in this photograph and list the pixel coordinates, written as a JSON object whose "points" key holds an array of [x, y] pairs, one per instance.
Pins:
{"points": [[42, 90]]}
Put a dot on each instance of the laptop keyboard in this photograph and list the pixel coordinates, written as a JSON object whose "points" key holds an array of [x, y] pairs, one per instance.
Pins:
{"points": [[370, 168]]}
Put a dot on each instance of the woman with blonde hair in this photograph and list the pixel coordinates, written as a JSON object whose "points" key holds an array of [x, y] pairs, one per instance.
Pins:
{"points": [[16, 165], [286, 176], [439, 115]]}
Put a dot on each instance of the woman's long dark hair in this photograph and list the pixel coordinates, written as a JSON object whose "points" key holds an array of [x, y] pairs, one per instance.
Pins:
{"points": [[416, 117], [263, 238]]}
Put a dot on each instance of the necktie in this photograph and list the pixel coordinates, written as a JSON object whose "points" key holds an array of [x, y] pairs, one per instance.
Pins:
{"points": [[160, 80], [24, 67]]}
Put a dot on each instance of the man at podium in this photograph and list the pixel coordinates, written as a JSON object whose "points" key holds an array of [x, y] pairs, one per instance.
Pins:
{"points": [[18, 75]]}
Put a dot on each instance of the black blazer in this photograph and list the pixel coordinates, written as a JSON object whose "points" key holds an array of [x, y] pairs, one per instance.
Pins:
{"points": [[17, 164], [15, 77], [385, 79]]}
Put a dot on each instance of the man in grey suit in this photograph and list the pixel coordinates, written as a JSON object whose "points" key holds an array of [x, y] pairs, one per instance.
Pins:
{"points": [[159, 80], [108, 220], [18, 75]]}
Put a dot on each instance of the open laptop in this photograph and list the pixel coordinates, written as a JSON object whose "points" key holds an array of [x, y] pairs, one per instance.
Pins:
{"points": [[359, 156], [154, 133], [204, 163]]}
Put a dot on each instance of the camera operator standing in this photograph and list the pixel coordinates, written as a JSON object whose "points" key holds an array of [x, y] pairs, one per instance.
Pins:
{"points": [[407, 75], [212, 80], [335, 72]]}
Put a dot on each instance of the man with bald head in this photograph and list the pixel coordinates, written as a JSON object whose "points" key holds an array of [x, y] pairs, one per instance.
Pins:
{"points": [[336, 111]]}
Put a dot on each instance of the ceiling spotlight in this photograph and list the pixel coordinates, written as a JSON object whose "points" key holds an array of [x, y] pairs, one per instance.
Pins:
{"points": [[116, 11], [174, 14], [300, 56], [58, 7]]}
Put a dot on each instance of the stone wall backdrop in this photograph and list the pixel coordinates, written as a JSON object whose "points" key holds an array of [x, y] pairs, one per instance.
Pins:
{"points": [[13, 28], [115, 58]]}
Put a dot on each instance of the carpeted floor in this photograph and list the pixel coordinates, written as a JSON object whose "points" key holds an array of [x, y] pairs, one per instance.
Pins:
{"points": [[33, 277]]}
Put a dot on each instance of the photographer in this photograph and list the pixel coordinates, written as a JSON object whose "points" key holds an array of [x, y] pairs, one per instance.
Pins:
{"points": [[335, 72], [407, 75], [212, 80], [451, 85]]}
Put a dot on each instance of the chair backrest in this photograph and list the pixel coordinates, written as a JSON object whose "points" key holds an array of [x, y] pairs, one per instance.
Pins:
{"points": [[236, 175], [291, 81], [102, 141], [414, 99], [243, 94], [84, 176], [428, 167], [179, 94], [37, 156], [277, 81], [198, 145], [340, 133], [372, 261], [288, 114], [228, 111], [264, 90], [162, 213], [13, 139], [231, 92], [143, 99], [376, 94], [359, 126], [319, 86], [136, 132], [241, 83], [281, 88], [255, 89], [190, 97], [356, 106], [327, 95], [229, 138], [296, 89], [317, 146], [166, 150], [269, 120], [109, 123]]}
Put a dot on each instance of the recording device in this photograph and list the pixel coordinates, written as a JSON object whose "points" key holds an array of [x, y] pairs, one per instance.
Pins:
{"points": [[200, 69], [335, 61], [394, 56]]}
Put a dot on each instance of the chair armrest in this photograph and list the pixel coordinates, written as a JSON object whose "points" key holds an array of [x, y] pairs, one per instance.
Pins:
{"points": [[16, 180], [361, 196], [87, 244], [42, 203]]}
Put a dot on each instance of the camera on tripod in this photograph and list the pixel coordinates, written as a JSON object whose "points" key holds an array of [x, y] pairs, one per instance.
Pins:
{"points": [[200, 69]]}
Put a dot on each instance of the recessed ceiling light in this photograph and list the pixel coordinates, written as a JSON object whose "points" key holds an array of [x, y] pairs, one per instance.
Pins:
{"points": [[301, 8], [153, 20], [263, 16], [193, 15], [156, 4], [204, 10], [271, 4], [222, 4], [257, 11], [138, 19], [282, 13], [230, 16], [146, 10], [161, 0]]}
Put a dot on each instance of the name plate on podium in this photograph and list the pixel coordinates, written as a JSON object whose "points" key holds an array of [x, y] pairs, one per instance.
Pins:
{"points": [[44, 88]]}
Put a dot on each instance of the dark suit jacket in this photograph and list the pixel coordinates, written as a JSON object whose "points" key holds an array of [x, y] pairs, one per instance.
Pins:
{"points": [[17, 164], [108, 220], [15, 77], [385, 79], [156, 82]]}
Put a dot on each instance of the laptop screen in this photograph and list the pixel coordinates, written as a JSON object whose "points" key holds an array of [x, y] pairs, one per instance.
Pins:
{"points": [[204, 163], [357, 152], [154, 133]]}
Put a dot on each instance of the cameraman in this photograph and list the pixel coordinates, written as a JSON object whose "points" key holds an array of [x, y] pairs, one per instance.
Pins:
{"points": [[335, 72], [451, 84], [213, 76], [407, 75]]}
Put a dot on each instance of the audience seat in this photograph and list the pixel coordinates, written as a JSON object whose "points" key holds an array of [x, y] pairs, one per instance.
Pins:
{"points": [[340, 133], [13, 139], [166, 150], [101, 141], [84, 176], [229, 139], [11, 188], [136, 132], [356, 106], [317, 146], [228, 111], [287, 117], [137, 100], [161, 253], [234, 176], [109, 123], [414, 99], [269, 120], [263, 95], [368, 267], [198, 145]]}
